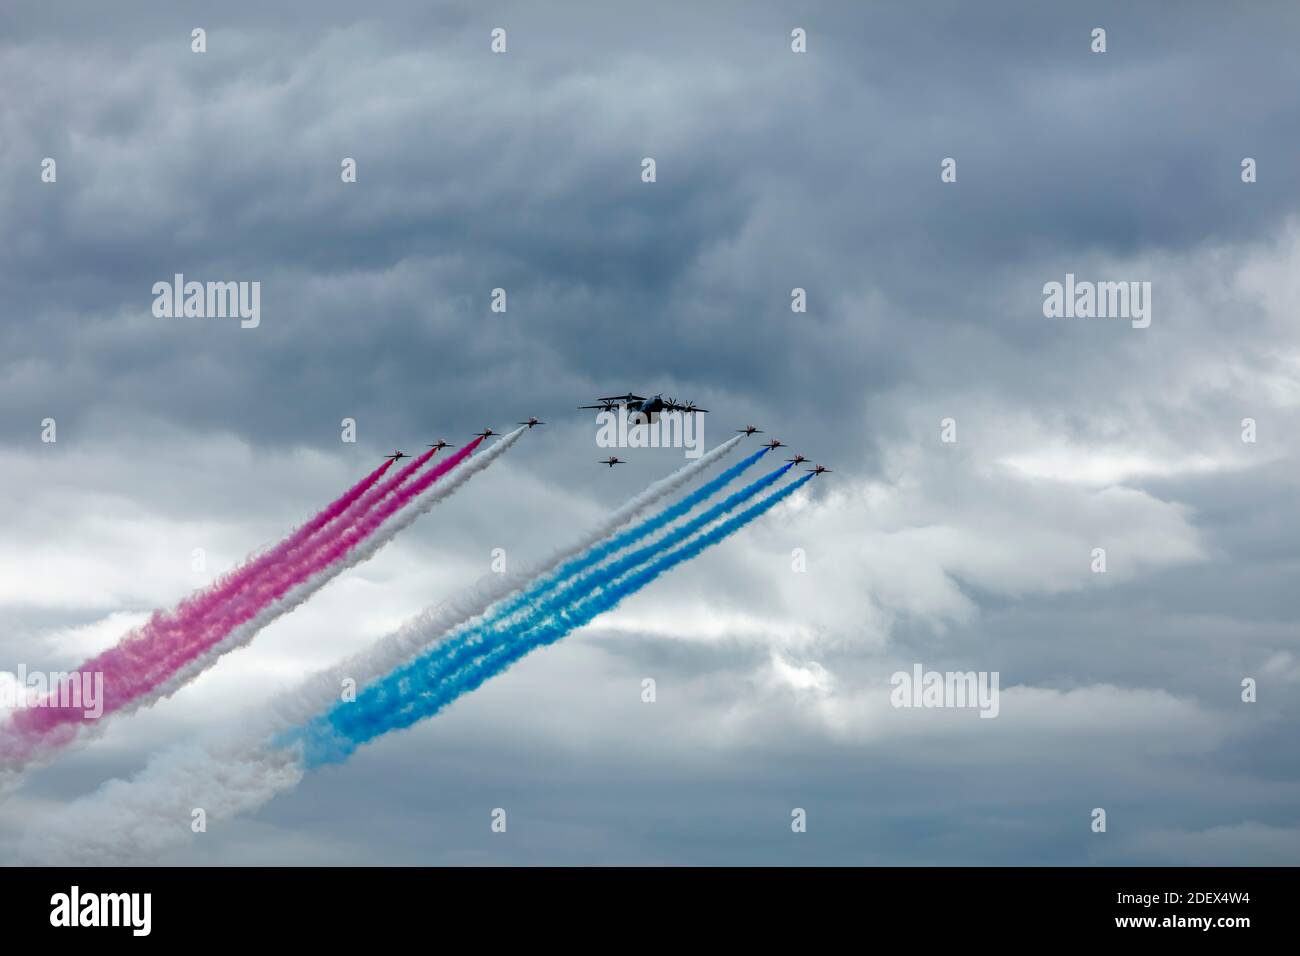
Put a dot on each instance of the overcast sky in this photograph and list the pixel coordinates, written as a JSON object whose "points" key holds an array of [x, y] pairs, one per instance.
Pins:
{"points": [[775, 170]]}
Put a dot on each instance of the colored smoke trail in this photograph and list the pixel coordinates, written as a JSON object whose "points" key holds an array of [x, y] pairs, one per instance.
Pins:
{"points": [[165, 626], [150, 661], [299, 594], [176, 631], [614, 543], [166, 654], [599, 552], [230, 583], [544, 598], [132, 821], [321, 689], [414, 691], [344, 540], [130, 672]]}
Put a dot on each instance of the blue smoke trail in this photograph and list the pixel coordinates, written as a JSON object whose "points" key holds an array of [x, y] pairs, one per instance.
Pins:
{"points": [[474, 641], [598, 552], [531, 600], [655, 522], [415, 691], [466, 641], [528, 599]]}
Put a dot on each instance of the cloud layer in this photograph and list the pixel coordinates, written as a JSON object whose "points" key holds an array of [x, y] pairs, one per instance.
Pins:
{"points": [[775, 170]]}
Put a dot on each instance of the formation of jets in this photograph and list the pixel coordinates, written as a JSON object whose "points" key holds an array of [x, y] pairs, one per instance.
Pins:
{"points": [[638, 405], [796, 460]]}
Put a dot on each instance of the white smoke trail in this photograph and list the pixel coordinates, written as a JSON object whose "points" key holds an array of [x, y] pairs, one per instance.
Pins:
{"points": [[444, 488], [422, 631], [242, 635], [134, 821], [125, 820]]}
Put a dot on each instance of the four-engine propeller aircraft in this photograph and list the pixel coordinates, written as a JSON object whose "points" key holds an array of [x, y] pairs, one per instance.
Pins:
{"points": [[611, 461], [647, 409]]}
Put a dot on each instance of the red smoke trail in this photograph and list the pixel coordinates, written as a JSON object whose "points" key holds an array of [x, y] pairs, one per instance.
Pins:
{"points": [[198, 605], [152, 653], [337, 546], [184, 632]]}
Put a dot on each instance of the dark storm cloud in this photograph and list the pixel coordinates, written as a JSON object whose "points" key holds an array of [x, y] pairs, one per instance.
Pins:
{"points": [[774, 171], [521, 172]]}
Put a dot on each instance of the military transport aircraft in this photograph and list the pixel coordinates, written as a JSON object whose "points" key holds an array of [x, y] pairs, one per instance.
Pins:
{"points": [[645, 408]]}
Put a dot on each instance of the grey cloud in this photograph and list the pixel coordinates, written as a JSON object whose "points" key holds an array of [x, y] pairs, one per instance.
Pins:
{"points": [[775, 171]]}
